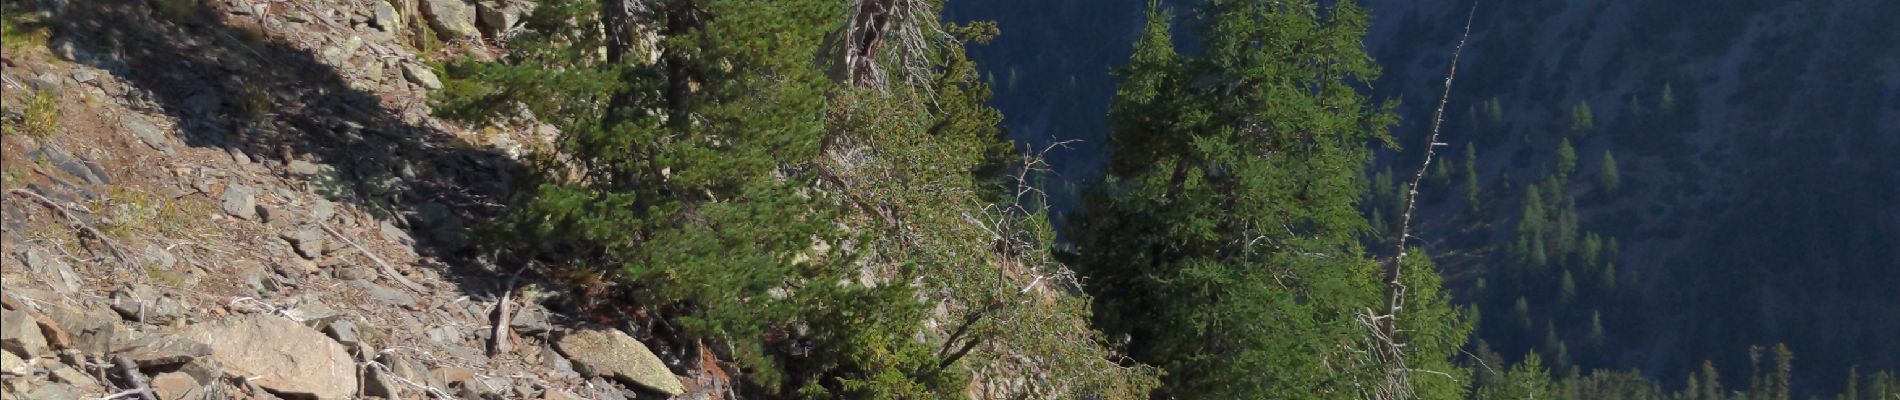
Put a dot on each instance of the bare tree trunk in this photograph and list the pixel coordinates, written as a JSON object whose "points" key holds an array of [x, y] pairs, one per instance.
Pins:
{"points": [[863, 38], [620, 18]]}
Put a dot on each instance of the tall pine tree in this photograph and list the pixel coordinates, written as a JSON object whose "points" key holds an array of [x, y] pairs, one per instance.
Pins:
{"points": [[1224, 241]]}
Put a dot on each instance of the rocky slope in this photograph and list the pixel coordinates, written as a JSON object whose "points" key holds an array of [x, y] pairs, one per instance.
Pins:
{"points": [[249, 199]]}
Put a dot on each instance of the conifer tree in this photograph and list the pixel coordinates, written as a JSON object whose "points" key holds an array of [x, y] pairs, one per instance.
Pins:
{"points": [[1236, 169], [693, 168], [1582, 120], [1711, 382], [1472, 192], [1666, 103], [1607, 176], [1566, 159], [1596, 328], [1526, 380]]}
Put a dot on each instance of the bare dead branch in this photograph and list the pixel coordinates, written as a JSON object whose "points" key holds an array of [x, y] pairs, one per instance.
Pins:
{"points": [[384, 265], [118, 251], [1392, 353]]}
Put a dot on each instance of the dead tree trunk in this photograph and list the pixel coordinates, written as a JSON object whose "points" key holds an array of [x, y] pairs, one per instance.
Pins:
{"points": [[863, 38]]}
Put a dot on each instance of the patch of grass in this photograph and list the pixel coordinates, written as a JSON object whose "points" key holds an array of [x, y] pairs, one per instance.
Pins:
{"points": [[131, 213], [20, 30], [15, 177], [40, 119], [165, 277]]}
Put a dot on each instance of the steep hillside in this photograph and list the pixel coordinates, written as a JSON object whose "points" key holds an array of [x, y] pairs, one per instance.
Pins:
{"points": [[251, 200]]}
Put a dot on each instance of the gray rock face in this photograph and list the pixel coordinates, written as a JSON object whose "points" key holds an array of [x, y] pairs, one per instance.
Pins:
{"points": [[611, 353], [177, 386], [84, 170], [157, 350], [307, 240], [286, 357], [322, 210], [239, 201], [494, 17], [304, 168], [20, 334], [451, 19], [385, 17], [148, 133], [386, 294], [421, 75], [91, 331], [144, 304], [343, 331], [158, 256], [12, 365], [60, 274], [378, 382], [530, 321]]}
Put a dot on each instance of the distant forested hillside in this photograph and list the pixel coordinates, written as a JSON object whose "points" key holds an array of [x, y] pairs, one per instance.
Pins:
{"points": [[1627, 185], [1653, 184]]}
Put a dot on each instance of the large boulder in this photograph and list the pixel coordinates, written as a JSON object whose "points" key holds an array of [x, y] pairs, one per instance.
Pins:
{"points": [[20, 334], [494, 17], [239, 201], [611, 353], [286, 357], [93, 331], [451, 19]]}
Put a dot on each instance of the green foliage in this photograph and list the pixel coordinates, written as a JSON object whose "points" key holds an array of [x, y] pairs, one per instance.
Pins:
{"points": [[1238, 169], [682, 193], [1566, 159], [1666, 102], [1582, 120], [1607, 176], [21, 29], [760, 206], [1472, 192], [40, 117], [1596, 328], [1526, 380], [1566, 288]]}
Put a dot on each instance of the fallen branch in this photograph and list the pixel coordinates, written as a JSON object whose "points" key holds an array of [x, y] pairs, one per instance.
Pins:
{"points": [[117, 250], [384, 265]]}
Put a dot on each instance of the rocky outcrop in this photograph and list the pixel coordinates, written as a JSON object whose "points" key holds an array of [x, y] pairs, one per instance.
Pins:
{"points": [[613, 354]]}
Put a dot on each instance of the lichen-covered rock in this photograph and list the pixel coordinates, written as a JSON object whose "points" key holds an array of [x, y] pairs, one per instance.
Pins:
{"points": [[451, 19]]}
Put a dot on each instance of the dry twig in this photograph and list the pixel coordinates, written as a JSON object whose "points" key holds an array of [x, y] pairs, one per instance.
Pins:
{"points": [[384, 265]]}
